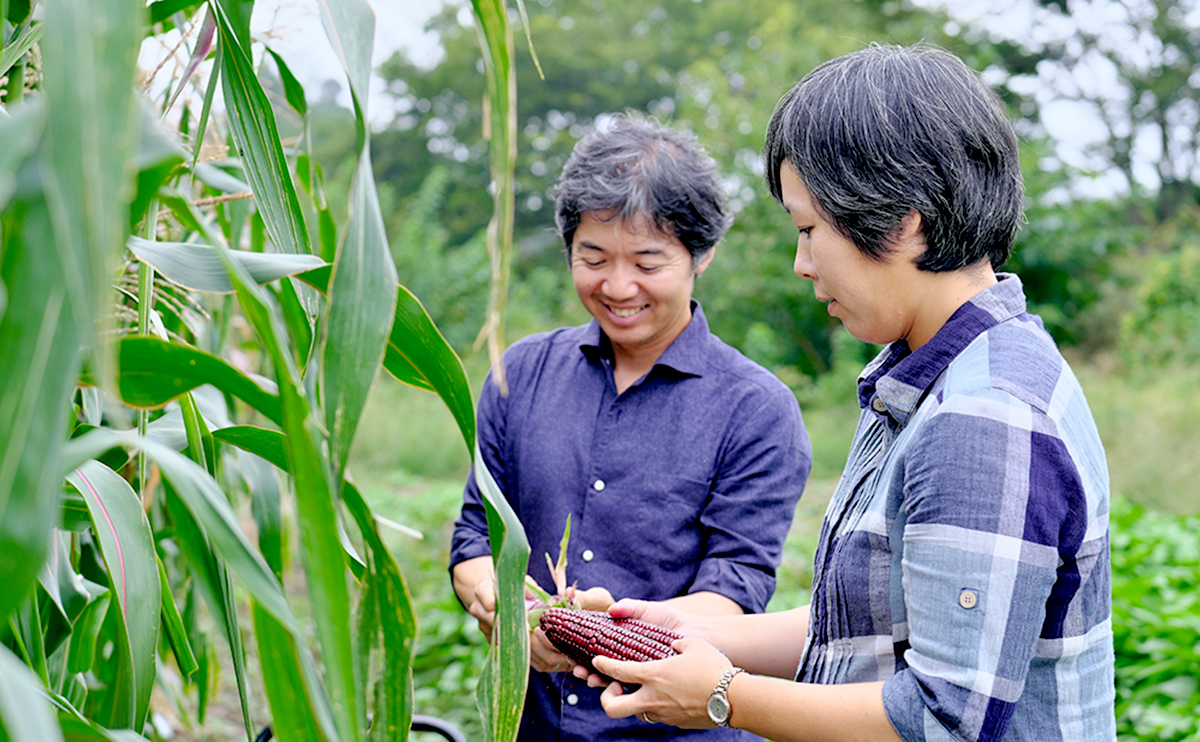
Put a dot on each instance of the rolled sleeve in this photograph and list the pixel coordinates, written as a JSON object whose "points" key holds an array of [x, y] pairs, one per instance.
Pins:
{"points": [[990, 489], [746, 520]]}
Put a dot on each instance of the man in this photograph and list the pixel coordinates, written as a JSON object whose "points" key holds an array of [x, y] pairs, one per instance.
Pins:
{"points": [[679, 460]]}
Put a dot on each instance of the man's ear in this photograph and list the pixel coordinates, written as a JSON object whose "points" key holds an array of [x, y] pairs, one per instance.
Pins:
{"points": [[705, 261]]}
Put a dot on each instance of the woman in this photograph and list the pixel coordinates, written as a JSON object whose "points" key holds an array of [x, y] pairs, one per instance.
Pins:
{"points": [[961, 583]]}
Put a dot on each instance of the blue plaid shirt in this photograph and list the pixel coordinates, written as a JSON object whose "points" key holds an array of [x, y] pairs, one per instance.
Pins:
{"points": [[964, 557], [685, 482]]}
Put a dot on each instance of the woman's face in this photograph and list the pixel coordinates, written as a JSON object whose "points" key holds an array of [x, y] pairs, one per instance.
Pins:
{"points": [[878, 301]]}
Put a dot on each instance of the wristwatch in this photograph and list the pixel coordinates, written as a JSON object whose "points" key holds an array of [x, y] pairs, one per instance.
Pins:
{"points": [[718, 702]]}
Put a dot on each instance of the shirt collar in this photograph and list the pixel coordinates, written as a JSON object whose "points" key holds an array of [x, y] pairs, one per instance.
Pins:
{"points": [[686, 354], [896, 380]]}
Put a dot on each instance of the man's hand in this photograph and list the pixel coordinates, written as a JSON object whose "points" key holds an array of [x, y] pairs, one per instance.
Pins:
{"points": [[475, 584], [543, 656]]}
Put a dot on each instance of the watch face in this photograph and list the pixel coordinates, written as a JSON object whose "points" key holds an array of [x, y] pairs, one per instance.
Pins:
{"points": [[718, 710]]}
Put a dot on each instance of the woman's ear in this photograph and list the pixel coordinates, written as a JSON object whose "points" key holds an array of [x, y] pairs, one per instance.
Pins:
{"points": [[909, 237]]}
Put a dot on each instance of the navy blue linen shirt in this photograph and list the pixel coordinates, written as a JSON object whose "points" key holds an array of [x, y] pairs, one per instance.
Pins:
{"points": [[685, 482]]}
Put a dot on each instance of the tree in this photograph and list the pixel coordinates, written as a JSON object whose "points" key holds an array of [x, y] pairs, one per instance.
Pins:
{"points": [[1127, 68], [715, 67]]}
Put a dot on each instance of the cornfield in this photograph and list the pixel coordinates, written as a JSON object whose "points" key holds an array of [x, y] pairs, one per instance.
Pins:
{"points": [[186, 334]]}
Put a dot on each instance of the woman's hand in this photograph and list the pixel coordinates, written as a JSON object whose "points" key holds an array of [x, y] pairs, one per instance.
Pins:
{"points": [[673, 691]]}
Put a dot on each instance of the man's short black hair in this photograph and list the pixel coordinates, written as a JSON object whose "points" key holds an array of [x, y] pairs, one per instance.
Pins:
{"points": [[630, 169]]}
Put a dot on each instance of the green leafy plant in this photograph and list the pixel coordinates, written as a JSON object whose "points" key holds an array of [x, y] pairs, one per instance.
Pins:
{"points": [[177, 342], [1156, 578]]}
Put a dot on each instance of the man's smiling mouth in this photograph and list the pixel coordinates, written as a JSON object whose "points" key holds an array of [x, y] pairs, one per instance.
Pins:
{"points": [[625, 312]]}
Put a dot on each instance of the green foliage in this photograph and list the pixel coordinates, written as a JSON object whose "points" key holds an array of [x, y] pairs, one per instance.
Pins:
{"points": [[1156, 598], [451, 651], [110, 533], [1163, 326]]}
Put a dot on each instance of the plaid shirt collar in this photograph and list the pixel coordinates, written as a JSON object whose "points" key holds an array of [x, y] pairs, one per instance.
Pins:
{"points": [[894, 383]]}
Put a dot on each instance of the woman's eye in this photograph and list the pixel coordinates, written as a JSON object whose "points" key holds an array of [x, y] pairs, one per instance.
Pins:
{"points": [[806, 232]]}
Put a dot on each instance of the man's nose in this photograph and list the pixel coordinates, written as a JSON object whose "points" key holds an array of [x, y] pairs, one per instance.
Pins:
{"points": [[621, 283]]}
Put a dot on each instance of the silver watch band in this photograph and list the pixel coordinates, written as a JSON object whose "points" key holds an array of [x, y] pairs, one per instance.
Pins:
{"points": [[724, 682]]}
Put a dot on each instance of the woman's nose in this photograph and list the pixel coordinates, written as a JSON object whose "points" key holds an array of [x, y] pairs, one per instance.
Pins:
{"points": [[804, 265]]}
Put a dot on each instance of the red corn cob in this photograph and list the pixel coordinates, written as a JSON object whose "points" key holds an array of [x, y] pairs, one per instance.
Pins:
{"points": [[583, 635]]}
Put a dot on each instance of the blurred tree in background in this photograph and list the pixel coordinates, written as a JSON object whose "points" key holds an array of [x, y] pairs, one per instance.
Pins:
{"points": [[1095, 208]]}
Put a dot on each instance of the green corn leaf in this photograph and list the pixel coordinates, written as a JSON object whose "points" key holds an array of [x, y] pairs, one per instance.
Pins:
{"points": [[390, 636], [176, 632], [496, 43], [82, 651], [300, 710], [293, 91], [41, 342], [209, 506], [154, 372], [388, 595], [199, 268], [26, 625], [25, 715], [92, 130], [16, 48], [127, 546], [202, 450], [162, 10], [270, 445], [80, 729], [57, 262], [362, 290], [265, 506], [362, 295], [19, 135], [501, 691], [158, 157], [418, 354], [252, 124], [311, 473]]}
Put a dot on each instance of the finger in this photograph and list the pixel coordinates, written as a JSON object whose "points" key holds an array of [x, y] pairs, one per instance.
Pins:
{"points": [[594, 599], [485, 595], [617, 703], [627, 608], [620, 670]]}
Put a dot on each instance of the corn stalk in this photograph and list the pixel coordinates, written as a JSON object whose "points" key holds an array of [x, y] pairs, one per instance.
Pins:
{"points": [[178, 346]]}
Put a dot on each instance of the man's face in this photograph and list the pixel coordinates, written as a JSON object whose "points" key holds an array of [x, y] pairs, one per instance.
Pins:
{"points": [[636, 282]]}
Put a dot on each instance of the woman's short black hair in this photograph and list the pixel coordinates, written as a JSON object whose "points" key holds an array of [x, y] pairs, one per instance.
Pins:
{"points": [[631, 169], [887, 130]]}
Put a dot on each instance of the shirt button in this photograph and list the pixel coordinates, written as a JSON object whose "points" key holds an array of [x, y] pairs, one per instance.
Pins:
{"points": [[588, 555], [572, 699], [967, 599], [598, 485], [879, 404]]}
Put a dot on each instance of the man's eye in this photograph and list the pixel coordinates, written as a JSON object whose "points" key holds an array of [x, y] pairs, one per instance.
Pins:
{"points": [[649, 268]]}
